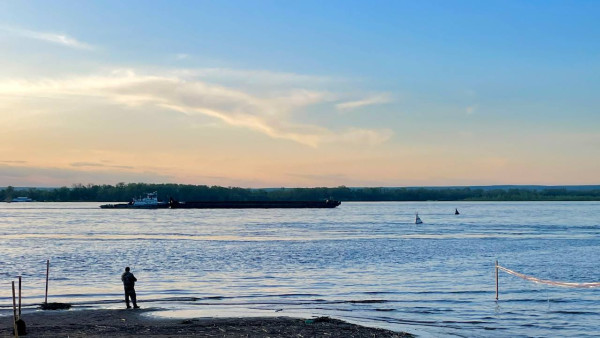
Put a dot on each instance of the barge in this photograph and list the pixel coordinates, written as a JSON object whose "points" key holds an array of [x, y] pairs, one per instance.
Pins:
{"points": [[151, 202], [173, 204]]}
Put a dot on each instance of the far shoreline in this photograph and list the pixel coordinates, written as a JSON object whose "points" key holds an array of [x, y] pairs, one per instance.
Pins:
{"points": [[123, 192]]}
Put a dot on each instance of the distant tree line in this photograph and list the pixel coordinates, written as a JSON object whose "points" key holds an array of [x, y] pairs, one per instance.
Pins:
{"points": [[122, 192]]}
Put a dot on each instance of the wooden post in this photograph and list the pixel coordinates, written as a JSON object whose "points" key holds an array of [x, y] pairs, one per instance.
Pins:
{"points": [[19, 297], [14, 311], [496, 280], [47, 272]]}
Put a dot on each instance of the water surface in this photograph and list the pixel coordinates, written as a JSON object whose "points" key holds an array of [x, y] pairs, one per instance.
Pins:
{"points": [[366, 263]]}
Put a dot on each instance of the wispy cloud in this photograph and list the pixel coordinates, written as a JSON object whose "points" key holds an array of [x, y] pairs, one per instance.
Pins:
{"points": [[51, 37], [269, 112], [262, 78], [361, 136], [368, 101], [51, 176], [99, 165], [13, 162]]}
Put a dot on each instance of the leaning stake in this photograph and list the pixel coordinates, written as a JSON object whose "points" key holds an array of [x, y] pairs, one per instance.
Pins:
{"points": [[496, 280], [47, 271]]}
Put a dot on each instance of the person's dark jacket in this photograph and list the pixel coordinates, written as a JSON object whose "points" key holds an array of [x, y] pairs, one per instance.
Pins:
{"points": [[128, 280]]}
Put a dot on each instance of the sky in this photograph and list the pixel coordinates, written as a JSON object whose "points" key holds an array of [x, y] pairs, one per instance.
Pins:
{"points": [[299, 93]]}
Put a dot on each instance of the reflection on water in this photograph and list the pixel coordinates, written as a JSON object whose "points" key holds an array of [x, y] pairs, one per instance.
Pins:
{"points": [[363, 262]]}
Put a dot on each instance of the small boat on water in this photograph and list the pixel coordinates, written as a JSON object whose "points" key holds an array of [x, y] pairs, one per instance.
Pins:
{"points": [[21, 199], [456, 212], [418, 219], [149, 202]]}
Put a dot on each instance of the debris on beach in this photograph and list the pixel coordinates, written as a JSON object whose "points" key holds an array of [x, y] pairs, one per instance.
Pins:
{"points": [[55, 306]]}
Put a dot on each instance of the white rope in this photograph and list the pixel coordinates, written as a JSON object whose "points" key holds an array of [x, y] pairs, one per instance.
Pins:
{"points": [[549, 282]]}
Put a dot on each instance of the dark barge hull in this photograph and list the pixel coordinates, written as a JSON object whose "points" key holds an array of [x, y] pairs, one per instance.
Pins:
{"points": [[131, 206], [253, 204]]}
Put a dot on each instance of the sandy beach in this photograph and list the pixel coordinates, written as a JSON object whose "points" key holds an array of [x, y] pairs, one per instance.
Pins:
{"points": [[133, 323]]}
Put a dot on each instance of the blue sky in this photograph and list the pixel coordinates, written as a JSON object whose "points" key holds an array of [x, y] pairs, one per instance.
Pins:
{"points": [[273, 93]]}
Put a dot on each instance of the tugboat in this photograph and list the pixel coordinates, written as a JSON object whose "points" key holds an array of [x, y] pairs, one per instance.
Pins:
{"points": [[149, 202]]}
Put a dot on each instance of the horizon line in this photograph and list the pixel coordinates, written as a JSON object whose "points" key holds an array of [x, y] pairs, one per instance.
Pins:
{"points": [[329, 187]]}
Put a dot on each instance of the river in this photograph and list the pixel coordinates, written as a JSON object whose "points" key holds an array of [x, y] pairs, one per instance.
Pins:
{"points": [[367, 263]]}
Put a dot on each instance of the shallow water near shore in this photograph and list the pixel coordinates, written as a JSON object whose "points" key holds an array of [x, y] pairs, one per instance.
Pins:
{"points": [[366, 263]]}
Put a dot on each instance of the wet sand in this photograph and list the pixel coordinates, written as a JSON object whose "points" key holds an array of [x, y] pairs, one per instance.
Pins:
{"points": [[132, 323]]}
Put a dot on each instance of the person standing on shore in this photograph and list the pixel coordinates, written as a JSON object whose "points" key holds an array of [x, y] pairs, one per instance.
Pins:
{"points": [[129, 280]]}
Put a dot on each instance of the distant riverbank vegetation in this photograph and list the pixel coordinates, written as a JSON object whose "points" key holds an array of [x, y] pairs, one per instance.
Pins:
{"points": [[125, 192]]}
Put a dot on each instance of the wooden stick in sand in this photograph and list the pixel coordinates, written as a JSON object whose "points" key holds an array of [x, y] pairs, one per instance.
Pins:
{"points": [[14, 311], [47, 272], [496, 280]]}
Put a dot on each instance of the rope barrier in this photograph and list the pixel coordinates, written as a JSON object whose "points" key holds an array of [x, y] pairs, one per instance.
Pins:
{"points": [[549, 282]]}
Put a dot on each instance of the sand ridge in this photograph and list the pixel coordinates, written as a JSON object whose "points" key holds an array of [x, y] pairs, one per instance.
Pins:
{"points": [[132, 323]]}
